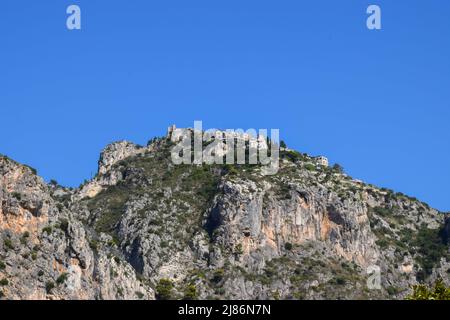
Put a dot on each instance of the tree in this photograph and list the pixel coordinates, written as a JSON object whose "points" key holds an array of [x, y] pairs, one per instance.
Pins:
{"points": [[423, 292], [283, 144], [164, 289], [190, 292], [338, 168]]}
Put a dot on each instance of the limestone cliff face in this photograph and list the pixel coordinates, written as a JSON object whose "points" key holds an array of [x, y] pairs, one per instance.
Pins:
{"points": [[47, 253], [254, 218], [115, 152], [212, 231]]}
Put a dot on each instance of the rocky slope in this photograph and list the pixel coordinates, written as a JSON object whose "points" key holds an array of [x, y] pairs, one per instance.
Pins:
{"points": [[145, 228]]}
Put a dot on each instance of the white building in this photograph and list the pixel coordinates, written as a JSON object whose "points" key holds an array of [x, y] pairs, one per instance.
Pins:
{"points": [[322, 160]]}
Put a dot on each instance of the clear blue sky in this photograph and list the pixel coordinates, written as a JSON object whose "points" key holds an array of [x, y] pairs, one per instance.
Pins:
{"points": [[377, 102]]}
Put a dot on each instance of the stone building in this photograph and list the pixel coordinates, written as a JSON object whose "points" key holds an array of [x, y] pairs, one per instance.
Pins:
{"points": [[322, 160]]}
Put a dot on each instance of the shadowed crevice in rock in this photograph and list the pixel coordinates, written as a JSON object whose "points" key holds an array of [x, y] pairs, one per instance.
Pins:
{"points": [[335, 216], [135, 257], [214, 221]]}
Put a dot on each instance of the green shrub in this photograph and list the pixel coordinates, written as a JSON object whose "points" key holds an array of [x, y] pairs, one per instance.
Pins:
{"points": [[293, 156], [337, 168], [64, 225], [230, 169], [24, 238], [2, 265], [288, 246], [383, 212], [4, 282], [49, 286], [239, 249], [62, 278], [40, 273], [8, 244], [438, 292], [205, 182], [431, 247], [17, 195], [93, 244], [33, 170], [190, 293], [47, 229], [382, 243], [164, 289]]}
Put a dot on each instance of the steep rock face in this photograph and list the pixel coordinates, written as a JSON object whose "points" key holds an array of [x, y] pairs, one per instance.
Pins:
{"points": [[115, 152], [25, 203], [213, 231], [110, 155], [256, 219], [45, 251]]}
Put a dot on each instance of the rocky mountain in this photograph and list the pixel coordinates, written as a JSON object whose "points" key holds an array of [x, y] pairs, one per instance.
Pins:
{"points": [[144, 228]]}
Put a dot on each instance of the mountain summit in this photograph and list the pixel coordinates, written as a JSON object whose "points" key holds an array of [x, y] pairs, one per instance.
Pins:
{"points": [[145, 228]]}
